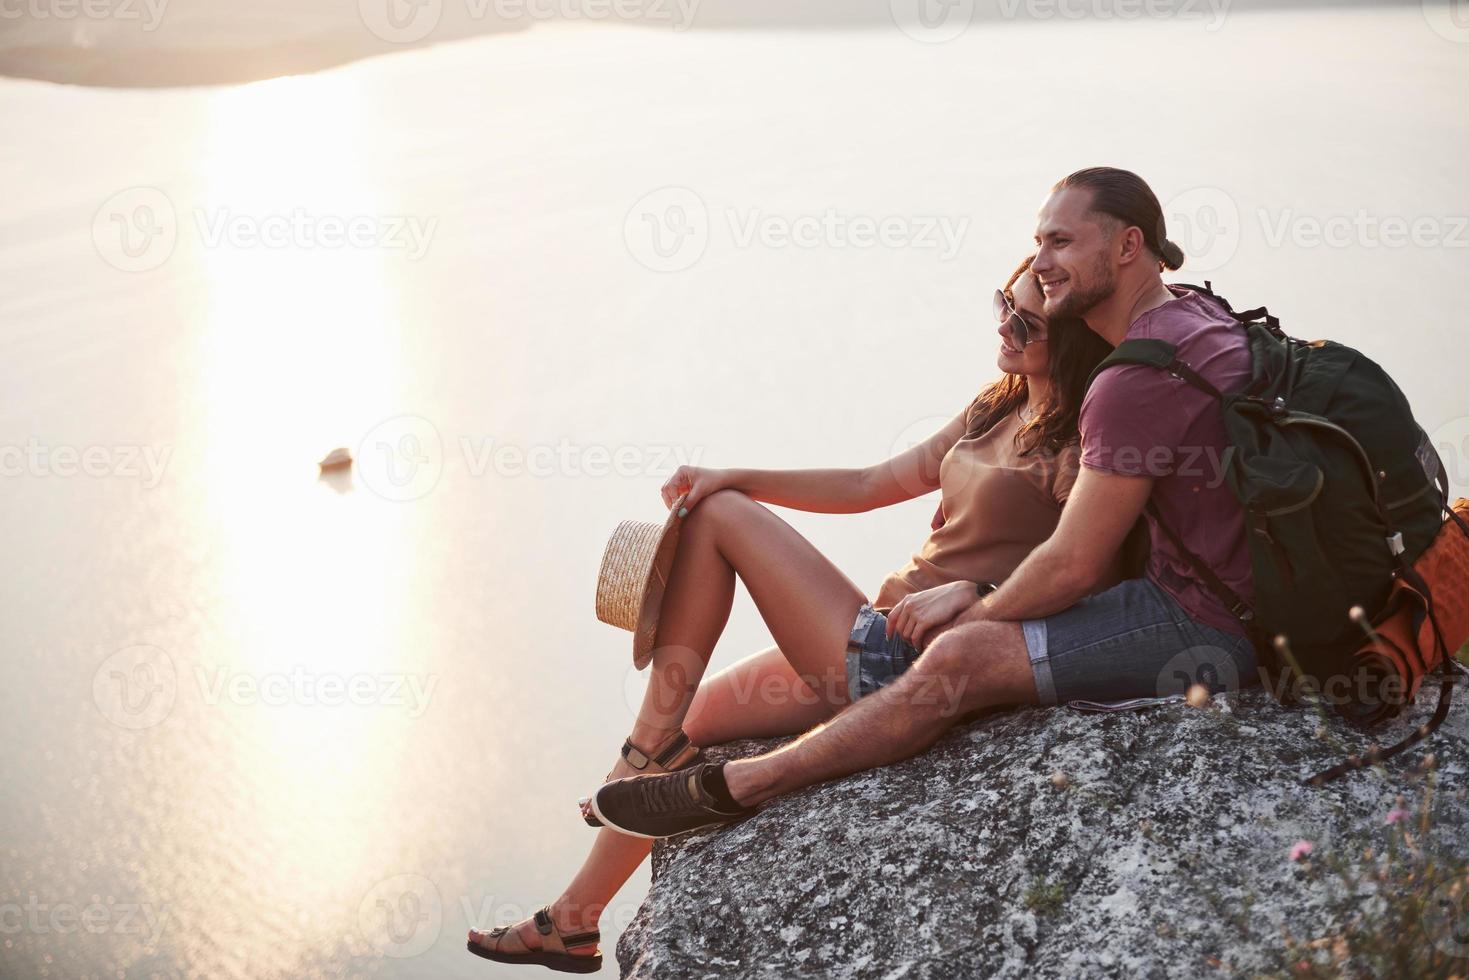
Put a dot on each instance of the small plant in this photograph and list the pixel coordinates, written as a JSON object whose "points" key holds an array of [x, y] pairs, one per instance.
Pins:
{"points": [[1045, 897], [1402, 910]]}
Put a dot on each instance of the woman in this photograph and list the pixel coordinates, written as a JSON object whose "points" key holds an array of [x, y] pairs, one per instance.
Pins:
{"points": [[1004, 465]]}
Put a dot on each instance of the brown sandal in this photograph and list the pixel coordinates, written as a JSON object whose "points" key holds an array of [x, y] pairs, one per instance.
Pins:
{"points": [[553, 952], [673, 753]]}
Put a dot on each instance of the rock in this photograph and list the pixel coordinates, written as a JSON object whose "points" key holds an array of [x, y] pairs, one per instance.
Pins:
{"points": [[336, 459], [1163, 851]]}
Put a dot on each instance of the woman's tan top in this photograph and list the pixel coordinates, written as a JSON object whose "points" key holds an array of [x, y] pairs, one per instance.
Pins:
{"points": [[998, 505]]}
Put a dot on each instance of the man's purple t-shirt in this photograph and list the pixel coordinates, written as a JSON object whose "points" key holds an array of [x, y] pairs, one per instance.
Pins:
{"points": [[1138, 420]]}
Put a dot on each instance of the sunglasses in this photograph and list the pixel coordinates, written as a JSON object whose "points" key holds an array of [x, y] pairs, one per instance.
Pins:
{"points": [[1005, 312]]}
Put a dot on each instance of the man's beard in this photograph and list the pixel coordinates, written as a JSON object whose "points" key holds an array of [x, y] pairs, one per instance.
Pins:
{"points": [[1080, 299]]}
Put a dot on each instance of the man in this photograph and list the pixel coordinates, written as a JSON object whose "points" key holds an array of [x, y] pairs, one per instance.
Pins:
{"points": [[1042, 638]]}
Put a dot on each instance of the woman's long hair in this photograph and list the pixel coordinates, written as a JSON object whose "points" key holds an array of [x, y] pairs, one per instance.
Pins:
{"points": [[1075, 352]]}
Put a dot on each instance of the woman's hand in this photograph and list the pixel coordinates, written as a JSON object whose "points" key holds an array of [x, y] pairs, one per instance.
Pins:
{"points": [[917, 615], [696, 481]]}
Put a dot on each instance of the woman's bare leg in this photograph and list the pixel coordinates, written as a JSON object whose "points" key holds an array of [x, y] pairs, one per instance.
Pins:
{"points": [[809, 606], [805, 600], [760, 696]]}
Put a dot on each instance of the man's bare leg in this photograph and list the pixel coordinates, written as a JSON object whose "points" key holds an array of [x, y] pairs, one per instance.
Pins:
{"points": [[973, 666]]}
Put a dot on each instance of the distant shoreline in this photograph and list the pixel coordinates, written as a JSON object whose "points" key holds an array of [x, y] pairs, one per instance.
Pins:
{"points": [[157, 64]]}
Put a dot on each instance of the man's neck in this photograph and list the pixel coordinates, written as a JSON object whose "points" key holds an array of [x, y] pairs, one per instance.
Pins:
{"points": [[1114, 316]]}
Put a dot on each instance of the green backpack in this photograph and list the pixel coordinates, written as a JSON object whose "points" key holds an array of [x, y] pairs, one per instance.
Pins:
{"points": [[1342, 489]]}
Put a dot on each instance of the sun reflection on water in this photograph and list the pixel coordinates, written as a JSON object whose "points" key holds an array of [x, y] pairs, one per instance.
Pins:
{"points": [[299, 353]]}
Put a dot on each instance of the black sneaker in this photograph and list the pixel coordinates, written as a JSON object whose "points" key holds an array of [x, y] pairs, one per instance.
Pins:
{"points": [[662, 804]]}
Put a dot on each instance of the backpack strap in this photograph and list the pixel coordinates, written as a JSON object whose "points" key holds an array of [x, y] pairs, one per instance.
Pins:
{"points": [[1441, 477], [1155, 353], [1258, 314], [1264, 650], [1164, 356], [1237, 607], [1449, 667], [1452, 673]]}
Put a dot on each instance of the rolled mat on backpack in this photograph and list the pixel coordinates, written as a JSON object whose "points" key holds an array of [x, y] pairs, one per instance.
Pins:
{"points": [[1425, 621]]}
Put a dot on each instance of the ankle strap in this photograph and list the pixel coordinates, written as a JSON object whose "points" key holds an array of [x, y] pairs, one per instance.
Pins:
{"points": [[551, 937], [664, 756]]}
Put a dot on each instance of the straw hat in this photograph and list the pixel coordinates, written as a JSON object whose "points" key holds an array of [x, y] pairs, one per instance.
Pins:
{"points": [[635, 569]]}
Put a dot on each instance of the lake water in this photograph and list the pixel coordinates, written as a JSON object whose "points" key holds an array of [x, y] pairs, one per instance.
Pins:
{"points": [[260, 725]]}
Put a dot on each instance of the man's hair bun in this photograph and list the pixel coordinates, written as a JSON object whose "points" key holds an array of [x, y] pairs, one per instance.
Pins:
{"points": [[1172, 255]]}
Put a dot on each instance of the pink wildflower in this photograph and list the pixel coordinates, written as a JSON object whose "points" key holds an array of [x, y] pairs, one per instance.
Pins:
{"points": [[1301, 849]]}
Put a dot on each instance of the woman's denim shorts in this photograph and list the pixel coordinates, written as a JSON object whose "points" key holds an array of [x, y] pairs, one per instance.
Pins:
{"points": [[873, 658], [1132, 641]]}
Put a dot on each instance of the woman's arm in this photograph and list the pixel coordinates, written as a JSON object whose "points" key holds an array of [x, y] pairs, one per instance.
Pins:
{"points": [[909, 474], [823, 491], [831, 491], [913, 472]]}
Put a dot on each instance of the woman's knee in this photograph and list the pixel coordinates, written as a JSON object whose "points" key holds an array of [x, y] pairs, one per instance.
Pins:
{"points": [[720, 507]]}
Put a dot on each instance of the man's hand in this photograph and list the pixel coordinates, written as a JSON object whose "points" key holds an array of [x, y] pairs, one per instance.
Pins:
{"points": [[918, 615], [1068, 565]]}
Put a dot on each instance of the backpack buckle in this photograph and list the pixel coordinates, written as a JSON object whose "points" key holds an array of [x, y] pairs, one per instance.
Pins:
{"points": [[1395, 544]]}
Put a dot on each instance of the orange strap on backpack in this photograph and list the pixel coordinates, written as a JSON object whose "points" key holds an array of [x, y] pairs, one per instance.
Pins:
{"points": [[1419, 630]]}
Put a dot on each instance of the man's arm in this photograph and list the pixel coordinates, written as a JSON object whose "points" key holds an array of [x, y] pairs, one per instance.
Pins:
{"points": [[1101, 510]]}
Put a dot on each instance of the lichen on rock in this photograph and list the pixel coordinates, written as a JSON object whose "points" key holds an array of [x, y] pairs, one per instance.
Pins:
{"points": [[1164, 851]]}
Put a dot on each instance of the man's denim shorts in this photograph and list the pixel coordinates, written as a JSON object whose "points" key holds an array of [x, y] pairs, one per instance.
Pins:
{"points": [[1132, 641]]}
